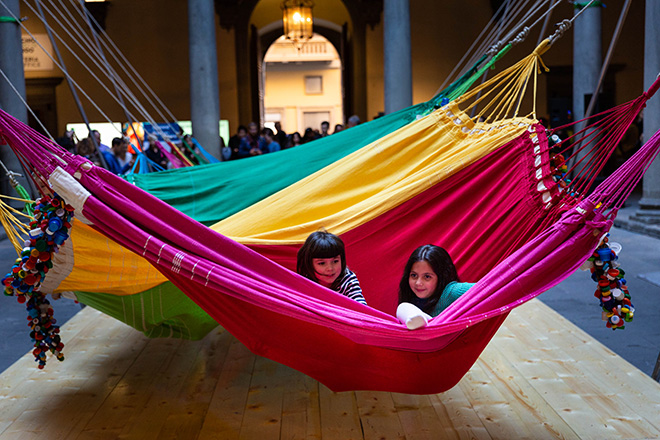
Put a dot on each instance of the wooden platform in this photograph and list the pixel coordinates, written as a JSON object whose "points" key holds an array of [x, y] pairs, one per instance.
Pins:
{"points": [[541, 377]]}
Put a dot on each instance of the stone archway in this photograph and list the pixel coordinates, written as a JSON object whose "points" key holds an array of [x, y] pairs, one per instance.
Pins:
{"points": [[300, 88], [332, 33], [236, 14]]}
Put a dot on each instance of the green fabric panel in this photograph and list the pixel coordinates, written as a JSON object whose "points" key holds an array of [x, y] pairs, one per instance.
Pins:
{"points": [[161, 312]]}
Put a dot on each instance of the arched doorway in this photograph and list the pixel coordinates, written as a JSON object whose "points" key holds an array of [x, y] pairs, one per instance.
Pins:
{"points": [[302, 88]]}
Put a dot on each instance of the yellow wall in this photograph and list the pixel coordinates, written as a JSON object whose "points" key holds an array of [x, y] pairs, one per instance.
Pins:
{"points": [[285, 89]]}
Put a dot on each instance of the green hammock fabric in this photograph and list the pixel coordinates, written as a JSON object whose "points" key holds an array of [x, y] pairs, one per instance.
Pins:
{"points": [[161, 312]]}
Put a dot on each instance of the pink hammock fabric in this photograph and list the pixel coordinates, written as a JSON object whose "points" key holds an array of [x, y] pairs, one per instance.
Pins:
{"points": [[341, 343]]}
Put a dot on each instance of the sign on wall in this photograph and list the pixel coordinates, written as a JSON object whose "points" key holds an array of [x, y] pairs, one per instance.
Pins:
{"points": [[34, 58]]}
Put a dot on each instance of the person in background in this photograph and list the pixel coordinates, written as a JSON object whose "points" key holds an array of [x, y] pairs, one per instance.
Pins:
{"points": [[116, 158], [152, 151], [325, 126], [280, 137], [66, 141], [309, 136], [294, 140], [353, 121], [269, 145], [250, 145], [338, 128], [97, 136], [121, 152], [235, 141], [85, 148]]}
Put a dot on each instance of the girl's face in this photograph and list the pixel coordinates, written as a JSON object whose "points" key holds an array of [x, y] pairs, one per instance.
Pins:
{"points": [[327, 269], [423, 281]]}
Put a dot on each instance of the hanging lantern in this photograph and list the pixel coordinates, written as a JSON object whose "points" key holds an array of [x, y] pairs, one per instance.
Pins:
{"points": [[297, 18]]}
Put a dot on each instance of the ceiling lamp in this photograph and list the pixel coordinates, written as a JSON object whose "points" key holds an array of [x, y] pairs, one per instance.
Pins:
{"points": [[297, 18]]}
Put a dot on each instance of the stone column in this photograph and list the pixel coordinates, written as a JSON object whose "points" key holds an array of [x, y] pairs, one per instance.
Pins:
{"points": [[396, 48], [204, 94], [587, 58], [11, 63], [649, 205], [587, 63]]}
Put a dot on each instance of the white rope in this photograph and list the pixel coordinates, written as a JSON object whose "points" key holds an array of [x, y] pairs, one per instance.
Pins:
{"points": [[60, 66], [122, 90], [91, 48], [476, 40], [491, 45], [125, 63], [85, 65], [20, 96], [111, 72], [566, 24], [79, 38]]}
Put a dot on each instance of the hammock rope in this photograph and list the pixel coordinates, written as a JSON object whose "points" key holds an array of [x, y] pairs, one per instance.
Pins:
{"points": [[128, 68], [77, 86], [80, 39], [497, 50], [94, 48], [598, 140], [27, 106]]}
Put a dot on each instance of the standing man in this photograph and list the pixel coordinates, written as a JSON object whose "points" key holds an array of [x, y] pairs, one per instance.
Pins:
{"points": [[325, 126]]}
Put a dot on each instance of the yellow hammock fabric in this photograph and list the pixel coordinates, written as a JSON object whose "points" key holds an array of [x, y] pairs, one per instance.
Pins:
{"points": [[340, 197]]}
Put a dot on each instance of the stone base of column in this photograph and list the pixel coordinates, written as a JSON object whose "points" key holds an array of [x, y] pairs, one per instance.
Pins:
{"points": [[643, 221], [640, 216], [645, 215]]}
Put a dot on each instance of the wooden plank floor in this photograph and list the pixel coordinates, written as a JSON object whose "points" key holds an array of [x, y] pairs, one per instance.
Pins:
{"points": [[541, 377]]}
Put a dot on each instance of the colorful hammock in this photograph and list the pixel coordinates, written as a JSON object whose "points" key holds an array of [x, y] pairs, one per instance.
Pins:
{"points": [[130, 296], [162, 309], [343, 344]]}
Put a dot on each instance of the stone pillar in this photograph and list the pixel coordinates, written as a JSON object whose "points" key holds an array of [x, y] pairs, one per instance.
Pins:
{"points": [[396, 48], [203, 57], [587, 63], [649, 205], [587, 58], [11, 62]]}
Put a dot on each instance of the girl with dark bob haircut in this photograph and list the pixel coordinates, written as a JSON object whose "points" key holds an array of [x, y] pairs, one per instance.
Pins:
{"points": [[322, 259]]}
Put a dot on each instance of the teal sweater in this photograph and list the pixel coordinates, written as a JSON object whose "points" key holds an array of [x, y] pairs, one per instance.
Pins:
{"points": [[451, 293]]}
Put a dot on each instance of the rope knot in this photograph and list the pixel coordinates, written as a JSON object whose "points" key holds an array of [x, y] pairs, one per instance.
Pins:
{"points": [[521, 36], [494, 49], [561, 28]]}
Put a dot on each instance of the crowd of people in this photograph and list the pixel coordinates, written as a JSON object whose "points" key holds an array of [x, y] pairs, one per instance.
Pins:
{"points": [[119, 157], [249, 141]]}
